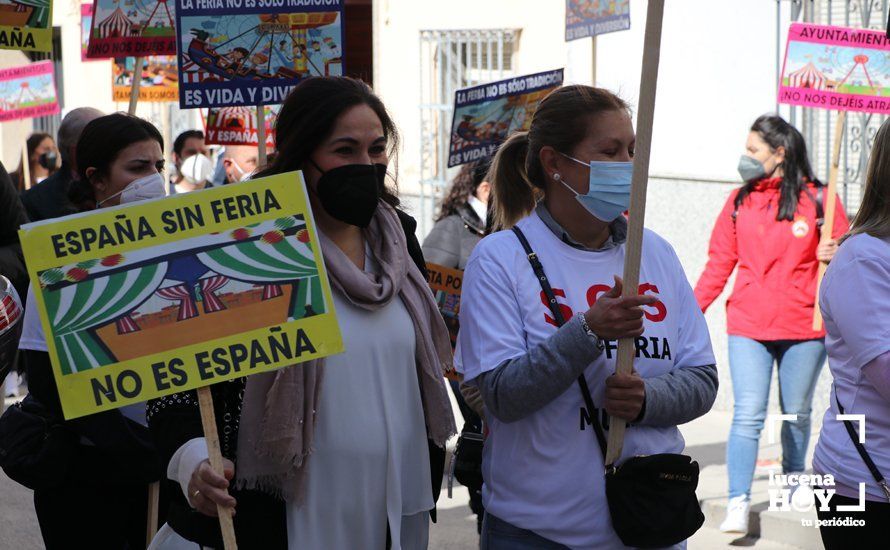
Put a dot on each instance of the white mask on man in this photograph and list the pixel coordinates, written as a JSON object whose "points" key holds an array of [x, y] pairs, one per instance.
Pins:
{"points": [[141, 189], [244, 175]]}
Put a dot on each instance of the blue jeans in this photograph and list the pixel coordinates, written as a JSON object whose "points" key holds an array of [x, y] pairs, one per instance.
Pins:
{"points": [[497, 534], [751, 364]]}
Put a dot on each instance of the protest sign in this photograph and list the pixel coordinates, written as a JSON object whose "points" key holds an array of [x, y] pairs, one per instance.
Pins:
{"points": [[445, 284], [86, 23], [158, 297], [238, 126], [26, 25], [586, 18], [28, 91], [836, 68], [485, 115], [841, 69], [159, 78], [134, 28], [232, 55]]}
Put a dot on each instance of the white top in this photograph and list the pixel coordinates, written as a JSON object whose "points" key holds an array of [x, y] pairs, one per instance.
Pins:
{"points": [[543, 472], [32, 337], [370, 465], [855, 303]]}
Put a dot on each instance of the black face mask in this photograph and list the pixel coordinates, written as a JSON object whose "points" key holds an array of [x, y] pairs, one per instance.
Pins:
{"points": [[350, 193], [48, 160]]}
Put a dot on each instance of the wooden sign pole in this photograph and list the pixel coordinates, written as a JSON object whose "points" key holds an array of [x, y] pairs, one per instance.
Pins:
{"points": [[829, 205], [154, 490], [211, 434], [593, 61], [135, 85], [634, 246], [26, 166], [261, 135]]}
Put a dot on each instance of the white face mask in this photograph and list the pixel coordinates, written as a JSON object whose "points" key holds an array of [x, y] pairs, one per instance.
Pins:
{"points": [[244, 175], [144, 188]]}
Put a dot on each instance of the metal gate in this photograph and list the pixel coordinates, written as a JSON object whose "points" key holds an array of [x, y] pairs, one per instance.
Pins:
{"points": [[450, 60], [817, 125]]}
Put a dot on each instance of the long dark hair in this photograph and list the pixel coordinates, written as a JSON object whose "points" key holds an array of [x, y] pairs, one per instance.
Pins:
{"points": [[776, 132], [873, 217], [32, 143], [560, 121], [463, 187], [99, 145], [308, 116]]}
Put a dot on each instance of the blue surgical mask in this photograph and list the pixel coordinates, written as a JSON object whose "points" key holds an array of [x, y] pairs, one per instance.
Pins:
{"points": [[608, 196]]}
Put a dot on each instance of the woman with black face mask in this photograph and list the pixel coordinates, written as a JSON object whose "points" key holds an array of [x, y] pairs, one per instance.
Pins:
{"points": [[371, 423], [43, 160], [770, 228]]}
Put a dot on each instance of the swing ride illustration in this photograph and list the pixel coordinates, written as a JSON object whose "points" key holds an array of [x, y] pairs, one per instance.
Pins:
{"points": [[486, 124], [260, 47], [25, 93], [838, 69]]}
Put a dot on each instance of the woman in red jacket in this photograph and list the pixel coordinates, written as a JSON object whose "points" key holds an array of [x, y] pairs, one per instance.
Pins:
{"points": [[770, 229]]}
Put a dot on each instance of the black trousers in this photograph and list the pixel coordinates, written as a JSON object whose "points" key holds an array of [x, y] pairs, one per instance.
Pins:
{"points": [[870, 530], [95, 516]]}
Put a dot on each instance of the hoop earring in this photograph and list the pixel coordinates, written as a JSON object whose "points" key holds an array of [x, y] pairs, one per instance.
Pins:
{"points": [[556, 176]]}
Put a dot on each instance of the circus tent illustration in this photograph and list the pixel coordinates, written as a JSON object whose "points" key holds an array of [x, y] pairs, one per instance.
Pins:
{"points": [[236, 118], [257, 277], [115, 25], [808, 77]]}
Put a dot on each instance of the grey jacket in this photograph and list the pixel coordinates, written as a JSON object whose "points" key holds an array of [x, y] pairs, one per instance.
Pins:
{"points": [[453, 238]]}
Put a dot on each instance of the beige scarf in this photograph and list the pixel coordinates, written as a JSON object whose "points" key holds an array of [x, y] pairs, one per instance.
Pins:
{"points": [[279, 409]]}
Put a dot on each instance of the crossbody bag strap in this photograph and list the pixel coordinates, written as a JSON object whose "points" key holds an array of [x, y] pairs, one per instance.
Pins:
{"points": [[854, 437], [560, 321]]}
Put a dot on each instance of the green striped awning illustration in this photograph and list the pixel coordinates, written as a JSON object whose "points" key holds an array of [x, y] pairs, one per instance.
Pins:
{"points": [[75, 309]]}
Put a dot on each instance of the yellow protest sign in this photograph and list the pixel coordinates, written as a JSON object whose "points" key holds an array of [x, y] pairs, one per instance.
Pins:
{"points": [[153, 298], [26, 25]]}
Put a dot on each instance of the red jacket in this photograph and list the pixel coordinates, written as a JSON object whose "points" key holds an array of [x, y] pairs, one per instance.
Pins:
{"points": [[775, 288]]}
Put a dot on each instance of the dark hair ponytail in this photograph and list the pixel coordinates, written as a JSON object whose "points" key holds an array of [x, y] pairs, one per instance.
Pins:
{"points": [[560, 121], [776, 132]]}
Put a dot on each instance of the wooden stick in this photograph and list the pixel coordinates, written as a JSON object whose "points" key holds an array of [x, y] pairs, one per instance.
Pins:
{"points": [[211, 434], [26, 166], [135, 85], [829, 208], [634, 246], [261, 135], [154, 490], [593, 61]]}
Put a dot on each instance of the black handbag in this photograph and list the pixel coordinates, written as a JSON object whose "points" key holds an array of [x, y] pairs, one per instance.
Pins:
{"points": [[36, 449], [651, 498], [466, 461]]}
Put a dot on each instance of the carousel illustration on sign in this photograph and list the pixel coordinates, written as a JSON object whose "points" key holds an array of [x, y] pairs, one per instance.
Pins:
{"points": [[27, 92], [247, 58], [248, 278]]}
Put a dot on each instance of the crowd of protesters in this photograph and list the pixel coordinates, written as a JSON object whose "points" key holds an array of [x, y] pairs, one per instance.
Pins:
{"points": [[540, 230]]}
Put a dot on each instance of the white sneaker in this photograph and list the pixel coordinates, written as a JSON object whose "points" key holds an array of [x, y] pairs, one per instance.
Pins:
{"points": [[736, 515]]}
